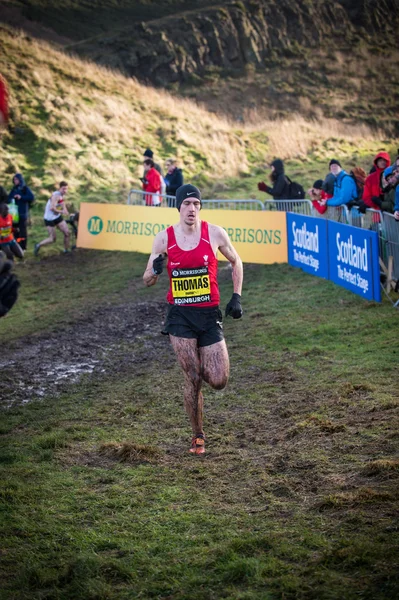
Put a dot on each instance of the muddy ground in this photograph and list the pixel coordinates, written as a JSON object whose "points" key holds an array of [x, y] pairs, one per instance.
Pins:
{"points": [[105, 340]]}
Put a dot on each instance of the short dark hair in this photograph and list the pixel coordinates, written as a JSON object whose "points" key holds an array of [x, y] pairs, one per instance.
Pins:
{"points": [[62, 183], [149, 162]]}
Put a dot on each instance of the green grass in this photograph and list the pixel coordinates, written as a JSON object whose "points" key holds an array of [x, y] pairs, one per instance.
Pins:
{"points": [[297, 494]]}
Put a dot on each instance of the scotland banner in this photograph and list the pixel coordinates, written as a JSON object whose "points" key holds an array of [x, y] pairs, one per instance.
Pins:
{"points": [[307, 244], [353, 259]]}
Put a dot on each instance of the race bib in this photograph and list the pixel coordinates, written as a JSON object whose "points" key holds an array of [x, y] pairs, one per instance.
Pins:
{"points": [[191, 286], [5, 232]]}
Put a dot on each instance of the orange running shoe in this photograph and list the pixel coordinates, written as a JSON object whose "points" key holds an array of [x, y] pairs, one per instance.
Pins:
{"points": [[198, 444]]}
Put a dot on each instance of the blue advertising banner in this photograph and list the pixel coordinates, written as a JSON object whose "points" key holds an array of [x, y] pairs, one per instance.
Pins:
{"points": [[307, 244], [353, 259]]}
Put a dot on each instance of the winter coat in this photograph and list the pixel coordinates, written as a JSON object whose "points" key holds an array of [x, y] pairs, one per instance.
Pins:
{"points": [[373, 193], [3, 195], [173, 181], [26, 198], [152, 183], [396, 207], [388, 201], [280, 189], [328, 184], [344, 190]]}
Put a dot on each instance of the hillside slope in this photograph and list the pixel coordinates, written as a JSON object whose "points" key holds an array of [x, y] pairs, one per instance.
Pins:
{"points": [[74, 120], [242, 58], [317, 58]]}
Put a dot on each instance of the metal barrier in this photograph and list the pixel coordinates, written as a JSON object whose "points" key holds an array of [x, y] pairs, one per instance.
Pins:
{"points": [[373, 221], [138, 197], [340, 214], [303, 207], [233, 204], [391, 231]]}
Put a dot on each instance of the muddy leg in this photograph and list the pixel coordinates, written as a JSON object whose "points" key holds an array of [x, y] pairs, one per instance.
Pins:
{"points": [[215, 365], [187, 354]]}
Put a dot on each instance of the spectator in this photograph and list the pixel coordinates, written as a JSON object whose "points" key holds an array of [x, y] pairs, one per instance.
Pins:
{"points": [[149, 154], [328, 184], [344, 185], [318, 196], [3, 195], [373, 194], [24, 198], [280, 187], [391, 190], [53, 217], [3, 103], [151, 183], [173, 178], [8, 244]]}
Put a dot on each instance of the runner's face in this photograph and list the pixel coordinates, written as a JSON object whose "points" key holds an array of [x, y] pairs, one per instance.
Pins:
{"points": [[64, 190], [189, 210]]}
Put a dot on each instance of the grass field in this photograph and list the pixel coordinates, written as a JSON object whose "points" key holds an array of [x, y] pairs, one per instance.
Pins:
{"points": [[297, 495]]}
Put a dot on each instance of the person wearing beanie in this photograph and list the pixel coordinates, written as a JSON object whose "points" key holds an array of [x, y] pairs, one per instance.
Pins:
{"points": [[373, 194], [318, 196], [151, 183], [194, 320], [149, 154], [344, 186], [390, 186]]}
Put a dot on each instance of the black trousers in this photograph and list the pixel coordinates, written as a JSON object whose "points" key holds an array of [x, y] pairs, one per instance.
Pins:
{"points": [[21, 233]]}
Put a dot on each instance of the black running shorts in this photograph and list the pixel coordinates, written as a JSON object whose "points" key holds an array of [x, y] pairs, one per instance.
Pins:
{"points": [[53, 223], [194, 322]]}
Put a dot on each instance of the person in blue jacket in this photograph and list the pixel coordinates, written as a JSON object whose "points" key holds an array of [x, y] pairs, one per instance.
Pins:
{"points": [[391, 176], [173, 177], [24, 198], [344, 185]]}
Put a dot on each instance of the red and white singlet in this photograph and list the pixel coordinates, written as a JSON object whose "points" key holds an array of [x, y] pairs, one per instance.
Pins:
{"points": [[192, 273]]}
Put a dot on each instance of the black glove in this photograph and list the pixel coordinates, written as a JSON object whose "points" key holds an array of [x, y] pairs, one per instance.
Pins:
{"points": [[157, 264], [233, 308], [362, 207], [377, 200]]}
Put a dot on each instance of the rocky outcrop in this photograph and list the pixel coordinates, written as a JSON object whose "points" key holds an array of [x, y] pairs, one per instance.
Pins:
{"points": [[183, 48]]}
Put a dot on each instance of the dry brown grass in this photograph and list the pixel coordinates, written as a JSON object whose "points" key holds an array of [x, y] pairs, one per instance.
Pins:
{"points": [[98, 122]]}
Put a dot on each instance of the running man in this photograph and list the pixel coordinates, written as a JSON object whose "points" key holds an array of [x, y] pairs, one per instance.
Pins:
{"points": [[194, 319], [53, 217]]}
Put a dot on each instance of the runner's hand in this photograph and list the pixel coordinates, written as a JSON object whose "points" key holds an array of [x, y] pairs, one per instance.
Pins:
{"points": [[157, 264], [233, 309], [262, 186]]}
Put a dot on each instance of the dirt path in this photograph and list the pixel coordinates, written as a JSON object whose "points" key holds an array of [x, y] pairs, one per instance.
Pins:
{"points": [[36, 366]]}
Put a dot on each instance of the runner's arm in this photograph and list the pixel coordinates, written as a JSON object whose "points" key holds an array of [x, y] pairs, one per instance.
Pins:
{"points": [[53, 204], [158, 247], [226, 248]]}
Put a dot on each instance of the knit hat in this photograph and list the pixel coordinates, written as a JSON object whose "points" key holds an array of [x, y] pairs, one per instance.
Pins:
{"points": [[186, 191], [318, 185], [334, 161], [387, 172], [148, 153]]}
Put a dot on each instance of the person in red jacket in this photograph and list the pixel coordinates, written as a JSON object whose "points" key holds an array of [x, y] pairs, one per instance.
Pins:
{"points": [[3, 102], [319, 197], [151, 183], [373, 194]]}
